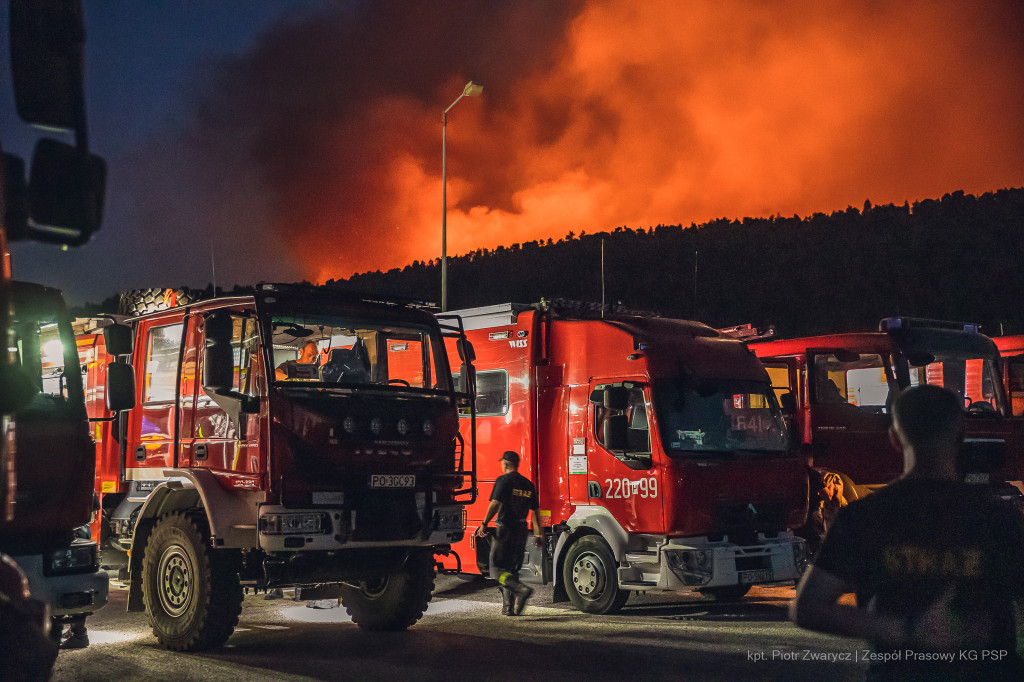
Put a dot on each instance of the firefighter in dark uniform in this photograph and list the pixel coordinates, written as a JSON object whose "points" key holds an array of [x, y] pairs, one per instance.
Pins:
{"points": [[513, 499]]}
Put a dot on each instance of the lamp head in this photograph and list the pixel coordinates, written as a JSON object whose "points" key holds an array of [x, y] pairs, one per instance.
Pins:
{"points": [[472, 89]]}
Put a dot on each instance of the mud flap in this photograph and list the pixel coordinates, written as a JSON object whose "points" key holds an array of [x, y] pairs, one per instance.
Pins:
{"points": [[483, 552], [536, 568]]}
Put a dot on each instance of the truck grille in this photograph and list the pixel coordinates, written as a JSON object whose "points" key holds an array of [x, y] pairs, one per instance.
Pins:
{"points": [[386, 515], [751, 517]]}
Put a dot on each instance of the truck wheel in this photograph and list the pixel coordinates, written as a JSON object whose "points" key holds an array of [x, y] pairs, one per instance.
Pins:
{"points": [[591, 578], [395, 601], [191, 593], [727, 593], [142, 301]]}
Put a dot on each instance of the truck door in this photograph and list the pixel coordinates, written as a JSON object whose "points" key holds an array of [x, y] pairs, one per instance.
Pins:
{"points": [[150, 447], [623, 475], [221, 441], [850, 394]]}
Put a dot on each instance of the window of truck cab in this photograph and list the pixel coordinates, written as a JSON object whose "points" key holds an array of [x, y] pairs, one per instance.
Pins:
{"points": [[244, 361], [861, 380], [356, 353], [491, 393], [711, 415], [42, 350], [637, 451], [974, 379], [163, 345], [778, 374]]}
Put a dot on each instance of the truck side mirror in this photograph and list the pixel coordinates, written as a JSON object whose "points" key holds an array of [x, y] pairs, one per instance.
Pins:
{"points": [[120, 386], [467, 373], [466, 352], [788, 403], [65, 193], [615, 433], [117, 338], [218, 362], [47, 40]]}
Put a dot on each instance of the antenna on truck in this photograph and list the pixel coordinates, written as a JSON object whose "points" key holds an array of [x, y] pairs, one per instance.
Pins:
{"points": [[602, 278]]}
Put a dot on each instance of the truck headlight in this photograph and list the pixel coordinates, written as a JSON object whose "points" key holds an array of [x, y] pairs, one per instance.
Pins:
{"points": [[799, 554], [449, 519], [692, 566], [78, 558], [315, 523]]}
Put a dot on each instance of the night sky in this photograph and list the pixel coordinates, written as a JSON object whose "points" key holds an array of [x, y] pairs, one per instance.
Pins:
{"points": [[279, 140]]}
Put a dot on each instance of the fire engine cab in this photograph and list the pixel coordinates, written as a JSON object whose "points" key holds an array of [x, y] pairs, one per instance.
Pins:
{"points": [[838, 389], [657, 447], [295, 437]]}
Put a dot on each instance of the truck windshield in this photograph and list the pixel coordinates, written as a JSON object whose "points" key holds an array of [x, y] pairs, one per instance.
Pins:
{"points": [[971, 376], [861, 380], [46, 349], [718, 416], [322, 349]]}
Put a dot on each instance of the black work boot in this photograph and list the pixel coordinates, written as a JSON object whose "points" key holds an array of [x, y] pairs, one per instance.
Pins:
{"points": [[521, 593], [506, 600]]}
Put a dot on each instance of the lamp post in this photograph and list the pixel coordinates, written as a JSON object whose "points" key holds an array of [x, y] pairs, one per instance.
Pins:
{"points": [[471, 90]]}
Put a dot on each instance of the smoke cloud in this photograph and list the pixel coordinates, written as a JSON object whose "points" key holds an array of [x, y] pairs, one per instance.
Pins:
{"points": [[324, 141]]}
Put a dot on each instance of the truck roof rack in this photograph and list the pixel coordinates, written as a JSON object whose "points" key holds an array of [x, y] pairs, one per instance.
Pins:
{"points": [[506, 313], [95, 324], [361, 296], [897, 324]]}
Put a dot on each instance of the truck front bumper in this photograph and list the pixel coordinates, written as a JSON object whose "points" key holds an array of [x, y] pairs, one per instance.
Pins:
{"points": [[696, 563], [70, 593], [283, 529]]}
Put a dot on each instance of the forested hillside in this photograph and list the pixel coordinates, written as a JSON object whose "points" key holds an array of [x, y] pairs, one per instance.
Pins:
{"points": [[957, 258], [961, 257]]}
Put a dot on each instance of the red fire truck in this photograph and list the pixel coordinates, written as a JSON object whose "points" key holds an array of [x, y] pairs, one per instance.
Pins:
{"points": [[838, 389], [55, 459], [44, 444], [345, 473], [110, 484], [659, 453]]}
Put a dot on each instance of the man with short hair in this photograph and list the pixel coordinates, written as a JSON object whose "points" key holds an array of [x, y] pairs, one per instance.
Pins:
{"points": [[935, 563], [307, 356], [513, 499]]}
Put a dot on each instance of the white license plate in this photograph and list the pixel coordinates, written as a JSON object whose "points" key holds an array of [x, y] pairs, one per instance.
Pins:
{"points": [[393, 481], [761, 575]]}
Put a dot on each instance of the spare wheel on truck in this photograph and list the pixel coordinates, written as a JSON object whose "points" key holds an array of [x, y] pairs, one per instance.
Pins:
{"points": [[394, 601]]}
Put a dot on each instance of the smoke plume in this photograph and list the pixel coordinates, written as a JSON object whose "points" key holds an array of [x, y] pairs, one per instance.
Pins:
{"points": [[596, 115]]}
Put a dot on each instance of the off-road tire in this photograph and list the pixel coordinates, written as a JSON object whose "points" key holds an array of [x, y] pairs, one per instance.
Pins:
{"points": [[395, 601], [726, 593], [191, 592], [591, 578], [142, 301]]}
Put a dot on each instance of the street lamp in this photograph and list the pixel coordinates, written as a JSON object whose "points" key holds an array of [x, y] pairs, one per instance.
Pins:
{"points": [[471, 90]]}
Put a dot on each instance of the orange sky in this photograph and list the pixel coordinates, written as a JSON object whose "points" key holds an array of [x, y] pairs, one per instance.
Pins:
{"points": [[618, 113]]}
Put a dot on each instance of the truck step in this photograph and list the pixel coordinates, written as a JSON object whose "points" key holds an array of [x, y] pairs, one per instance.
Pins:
{"points": [[641, 557], [638, 583]]}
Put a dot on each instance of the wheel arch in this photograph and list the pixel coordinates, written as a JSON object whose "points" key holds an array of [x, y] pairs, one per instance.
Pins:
{"points": [[589, 520], [230, 516]]}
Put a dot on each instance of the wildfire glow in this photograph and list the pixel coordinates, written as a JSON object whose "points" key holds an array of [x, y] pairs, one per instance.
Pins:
{"points": [[622, 113]]}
